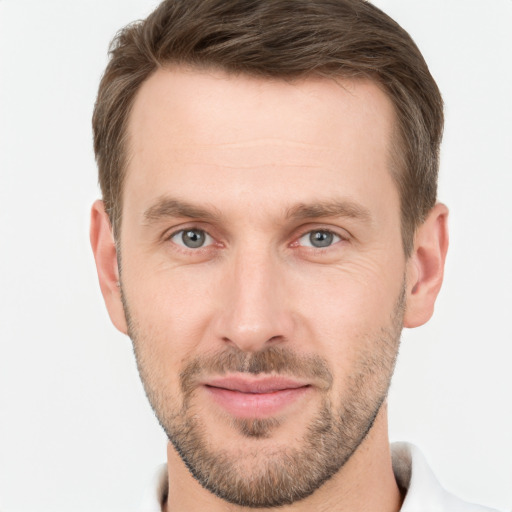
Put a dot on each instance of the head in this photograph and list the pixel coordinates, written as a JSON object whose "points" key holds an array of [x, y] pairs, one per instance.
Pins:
{"points": [[268, 172]]}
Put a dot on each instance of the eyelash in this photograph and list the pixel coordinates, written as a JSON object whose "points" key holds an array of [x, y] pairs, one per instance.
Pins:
{"points": [[188, 250], [319, 230], [294, 244]]}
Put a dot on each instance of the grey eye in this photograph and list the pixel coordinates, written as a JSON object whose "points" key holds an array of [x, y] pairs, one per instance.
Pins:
{"points": [[319, 238], [192, 238]]}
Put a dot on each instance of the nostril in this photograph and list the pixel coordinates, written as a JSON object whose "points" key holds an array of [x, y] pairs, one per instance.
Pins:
{"points": [[254, 342], [276, 339]]}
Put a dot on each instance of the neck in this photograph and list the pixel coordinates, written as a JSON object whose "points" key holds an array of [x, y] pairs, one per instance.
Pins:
{"points": [[366, 482]]}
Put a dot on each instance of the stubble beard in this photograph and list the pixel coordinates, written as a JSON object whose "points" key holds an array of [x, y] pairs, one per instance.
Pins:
{"points": [[271, 477]]}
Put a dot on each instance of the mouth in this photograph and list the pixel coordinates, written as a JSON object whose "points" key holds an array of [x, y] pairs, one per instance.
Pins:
{"points": [[255, 397]]}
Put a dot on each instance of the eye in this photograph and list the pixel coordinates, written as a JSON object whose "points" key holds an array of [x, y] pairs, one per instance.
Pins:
{"points": [[192, 238], [319, 238]]}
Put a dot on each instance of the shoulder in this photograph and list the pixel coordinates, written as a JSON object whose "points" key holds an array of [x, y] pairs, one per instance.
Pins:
{"points": [[156, 491], [423, 492]]}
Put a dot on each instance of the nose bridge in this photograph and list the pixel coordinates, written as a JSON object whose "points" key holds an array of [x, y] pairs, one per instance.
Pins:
{"points": [[254, 314]]}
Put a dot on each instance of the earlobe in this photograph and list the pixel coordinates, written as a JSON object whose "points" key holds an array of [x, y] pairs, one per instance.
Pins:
{"points": [[105, 255], [425, 267]]}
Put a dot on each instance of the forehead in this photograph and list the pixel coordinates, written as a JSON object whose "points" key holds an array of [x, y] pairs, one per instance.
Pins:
{"points": [[196, 100], [190, 130]]}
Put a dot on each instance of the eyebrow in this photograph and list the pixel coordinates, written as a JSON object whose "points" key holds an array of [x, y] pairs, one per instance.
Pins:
{"points": [[167, 207], [337, 208]]}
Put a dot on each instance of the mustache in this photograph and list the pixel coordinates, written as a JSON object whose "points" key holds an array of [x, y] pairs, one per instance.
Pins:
{"points": [[272, 360]]}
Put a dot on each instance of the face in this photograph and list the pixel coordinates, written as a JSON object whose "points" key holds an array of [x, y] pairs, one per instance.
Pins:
{"points": [[262, 273]]}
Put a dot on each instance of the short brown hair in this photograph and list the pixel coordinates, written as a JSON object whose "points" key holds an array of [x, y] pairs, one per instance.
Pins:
{"points": [[285, 39]]}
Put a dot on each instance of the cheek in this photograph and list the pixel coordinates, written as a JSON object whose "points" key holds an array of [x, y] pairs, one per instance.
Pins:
{"points": [[349, 300], [170, 310], [335, 306], [166, 318], [169, 304], [353, 325]]}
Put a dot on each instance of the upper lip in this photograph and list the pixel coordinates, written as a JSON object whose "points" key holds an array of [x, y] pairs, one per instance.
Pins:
{"points": [[257, 384]]}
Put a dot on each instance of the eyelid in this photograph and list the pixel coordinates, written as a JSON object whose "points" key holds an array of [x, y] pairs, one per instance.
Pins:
{"points": [[183, 226], [335, 235], [170, 233], [341, 233]]}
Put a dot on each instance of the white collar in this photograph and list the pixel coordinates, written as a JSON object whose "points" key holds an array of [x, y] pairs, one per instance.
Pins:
{"points": [[423, 491]]}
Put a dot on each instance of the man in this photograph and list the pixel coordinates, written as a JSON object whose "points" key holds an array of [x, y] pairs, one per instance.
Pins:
{"points": [[268, 226]]}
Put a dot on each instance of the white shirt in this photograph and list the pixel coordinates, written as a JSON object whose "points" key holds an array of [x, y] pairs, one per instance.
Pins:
{"points": [[413, 475], [423, 492]]}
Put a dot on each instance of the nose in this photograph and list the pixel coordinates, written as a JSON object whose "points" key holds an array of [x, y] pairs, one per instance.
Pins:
{"points": [[256, 309]]}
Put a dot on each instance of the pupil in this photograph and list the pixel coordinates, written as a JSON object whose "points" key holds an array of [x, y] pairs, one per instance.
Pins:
{"points": [[320, 238], [193, 239]]}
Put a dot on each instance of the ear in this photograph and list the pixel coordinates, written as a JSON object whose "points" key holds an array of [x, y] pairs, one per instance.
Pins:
{"points": [[425, 267], [105, 254]]}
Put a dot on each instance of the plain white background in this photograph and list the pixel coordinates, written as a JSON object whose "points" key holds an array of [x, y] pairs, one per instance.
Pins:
{"points": [[76, 432]]}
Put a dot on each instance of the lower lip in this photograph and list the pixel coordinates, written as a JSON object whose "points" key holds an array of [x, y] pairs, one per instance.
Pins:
{"points": [[255, 405]]}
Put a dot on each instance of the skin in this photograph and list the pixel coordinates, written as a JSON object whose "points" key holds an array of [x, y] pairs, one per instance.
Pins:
{"points": [[260, 157]]}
